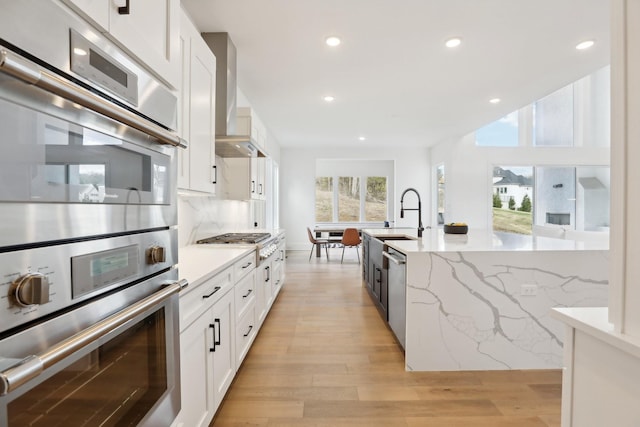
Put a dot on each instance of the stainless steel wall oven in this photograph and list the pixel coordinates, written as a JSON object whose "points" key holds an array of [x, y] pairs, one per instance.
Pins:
{"points": [[89, 284]]}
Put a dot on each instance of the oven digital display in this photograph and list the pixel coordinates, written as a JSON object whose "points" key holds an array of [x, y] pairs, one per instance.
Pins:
{"points": [[109, 263], [103, 64], [99, 270]]}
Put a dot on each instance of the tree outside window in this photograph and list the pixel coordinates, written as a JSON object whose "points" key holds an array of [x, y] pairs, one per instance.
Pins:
{"points": [[375, 203], [324, 199]]}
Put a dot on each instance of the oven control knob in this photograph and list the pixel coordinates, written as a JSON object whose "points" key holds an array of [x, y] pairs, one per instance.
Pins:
{"points": [[32, 288], [156, 255]]}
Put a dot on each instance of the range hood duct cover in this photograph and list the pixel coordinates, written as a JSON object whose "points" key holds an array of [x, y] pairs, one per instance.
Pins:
{"points": [[228, 143]]}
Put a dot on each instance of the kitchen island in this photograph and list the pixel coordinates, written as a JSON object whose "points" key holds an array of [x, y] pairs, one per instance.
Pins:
{"points": [[483, 300]]}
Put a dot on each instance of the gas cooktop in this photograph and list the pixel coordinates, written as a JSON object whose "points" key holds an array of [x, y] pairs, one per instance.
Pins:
{"points": [[246, 238]]}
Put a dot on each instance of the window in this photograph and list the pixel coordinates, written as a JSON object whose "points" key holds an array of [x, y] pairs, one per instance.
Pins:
{"points": [[355, 198], [440, 192], [348, 199], [501, 133], [375, 202], [574, 198], [512, 199], [324, 199], [553, 119]]}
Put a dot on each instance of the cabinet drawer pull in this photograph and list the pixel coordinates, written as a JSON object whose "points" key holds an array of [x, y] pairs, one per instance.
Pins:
{"points": [[248, 293], [216, 342], [249, 331], [246, 266], [216, 289], [124, 10], [215, 174]]}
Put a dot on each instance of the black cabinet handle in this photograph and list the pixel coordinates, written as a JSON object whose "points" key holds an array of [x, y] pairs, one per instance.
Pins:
{"points": [[215, 174], [268, 272], [253, 186], [219, 333], [260, 189], [247, 294], [124, 10], [216, 289], [213, 349], [216, 342], [249, 331], [245, 266]]}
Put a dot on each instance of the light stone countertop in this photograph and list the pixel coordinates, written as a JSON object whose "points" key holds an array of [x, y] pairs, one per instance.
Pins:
{"points": [[197, 263], [476, 240]]}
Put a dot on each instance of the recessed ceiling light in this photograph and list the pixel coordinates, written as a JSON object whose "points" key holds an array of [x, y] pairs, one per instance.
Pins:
{"points": [[453, 42], [585, 44], [329, 98], [494, 100], [332, 41], [362, 138]]}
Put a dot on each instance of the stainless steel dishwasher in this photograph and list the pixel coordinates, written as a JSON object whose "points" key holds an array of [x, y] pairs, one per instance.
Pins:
{"points": [[397, 309]]}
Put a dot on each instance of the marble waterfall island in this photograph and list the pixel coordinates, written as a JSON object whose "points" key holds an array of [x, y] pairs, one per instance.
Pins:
{"points": [[483, 300]]}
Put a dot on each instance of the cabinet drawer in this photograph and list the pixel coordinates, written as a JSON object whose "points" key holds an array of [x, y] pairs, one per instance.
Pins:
{"points": [[197, 300], [244, 266], [246, 330], [245, 293]]}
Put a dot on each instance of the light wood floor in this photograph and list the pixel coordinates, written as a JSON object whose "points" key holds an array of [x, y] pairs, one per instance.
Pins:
{"points": [[324, 357]]}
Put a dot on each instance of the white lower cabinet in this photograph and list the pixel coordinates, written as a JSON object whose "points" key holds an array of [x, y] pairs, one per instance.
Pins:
{"points": [[219, 320], [207, 362], [264, 295], [246, 326]]}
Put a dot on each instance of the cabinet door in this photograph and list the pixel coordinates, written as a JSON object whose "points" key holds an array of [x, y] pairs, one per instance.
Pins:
{"points": [[202, 94], [263, 291], [196, 372], [95, 11], [224, 366], [184, 155], [150, 31]]}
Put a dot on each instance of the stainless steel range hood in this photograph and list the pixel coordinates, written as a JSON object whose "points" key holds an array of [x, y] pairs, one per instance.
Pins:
{"points": [[228, 143]]}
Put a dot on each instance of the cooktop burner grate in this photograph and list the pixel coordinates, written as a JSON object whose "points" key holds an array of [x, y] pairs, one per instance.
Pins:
{"points": [[246, 238]]}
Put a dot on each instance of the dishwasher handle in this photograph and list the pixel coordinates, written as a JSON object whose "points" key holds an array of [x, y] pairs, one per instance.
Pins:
{"points": [[393, 259]]}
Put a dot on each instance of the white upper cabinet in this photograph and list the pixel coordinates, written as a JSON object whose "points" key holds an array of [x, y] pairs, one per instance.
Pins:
{"points": [[197, 164], [148, 29]]}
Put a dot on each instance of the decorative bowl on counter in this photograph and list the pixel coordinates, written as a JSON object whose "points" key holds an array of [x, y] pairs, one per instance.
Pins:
{"points": [[456, 228]]}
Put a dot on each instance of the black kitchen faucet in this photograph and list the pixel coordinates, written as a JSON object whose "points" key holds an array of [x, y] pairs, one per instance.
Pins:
{"points": [[402, 209]]}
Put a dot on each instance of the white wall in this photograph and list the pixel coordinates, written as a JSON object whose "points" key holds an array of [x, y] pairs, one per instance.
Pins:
{"points": [[297, 185]]}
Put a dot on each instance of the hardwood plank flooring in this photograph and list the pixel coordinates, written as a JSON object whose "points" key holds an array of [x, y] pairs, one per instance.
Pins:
{"points": [[324, 357]]}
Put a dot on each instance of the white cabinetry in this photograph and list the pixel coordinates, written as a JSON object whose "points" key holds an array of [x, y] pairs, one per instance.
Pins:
{"points": [[246, 327], [196, 164], [244, 178], [278, 268], [207, 348], [148, 29]]}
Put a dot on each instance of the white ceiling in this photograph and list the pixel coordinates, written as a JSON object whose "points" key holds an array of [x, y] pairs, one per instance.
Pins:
{"points": [[393, 79]]}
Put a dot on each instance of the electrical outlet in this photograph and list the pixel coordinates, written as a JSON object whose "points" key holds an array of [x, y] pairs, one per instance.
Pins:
{"points": [[528, 290]]}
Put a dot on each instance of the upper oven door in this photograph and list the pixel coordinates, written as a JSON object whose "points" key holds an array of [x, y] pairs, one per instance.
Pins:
{"points": [[68, 172]]}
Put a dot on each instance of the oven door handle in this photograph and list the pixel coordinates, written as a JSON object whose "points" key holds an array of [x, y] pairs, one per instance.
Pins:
{"points": [[32, 366], [30, 73]]}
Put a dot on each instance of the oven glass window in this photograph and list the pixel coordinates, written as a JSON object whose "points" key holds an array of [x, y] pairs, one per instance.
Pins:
{"points": [[115, 385], [48, 159]]}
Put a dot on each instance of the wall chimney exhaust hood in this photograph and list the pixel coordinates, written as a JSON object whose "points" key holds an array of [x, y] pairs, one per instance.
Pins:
{"points": [[228, 143]]}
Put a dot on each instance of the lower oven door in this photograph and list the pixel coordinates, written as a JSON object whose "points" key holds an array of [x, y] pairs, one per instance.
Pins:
{"points": [[120, 371]]}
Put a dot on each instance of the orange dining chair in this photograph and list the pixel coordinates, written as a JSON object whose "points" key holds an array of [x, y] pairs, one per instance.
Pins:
{"points": [[319, 242], [350, 238]]}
